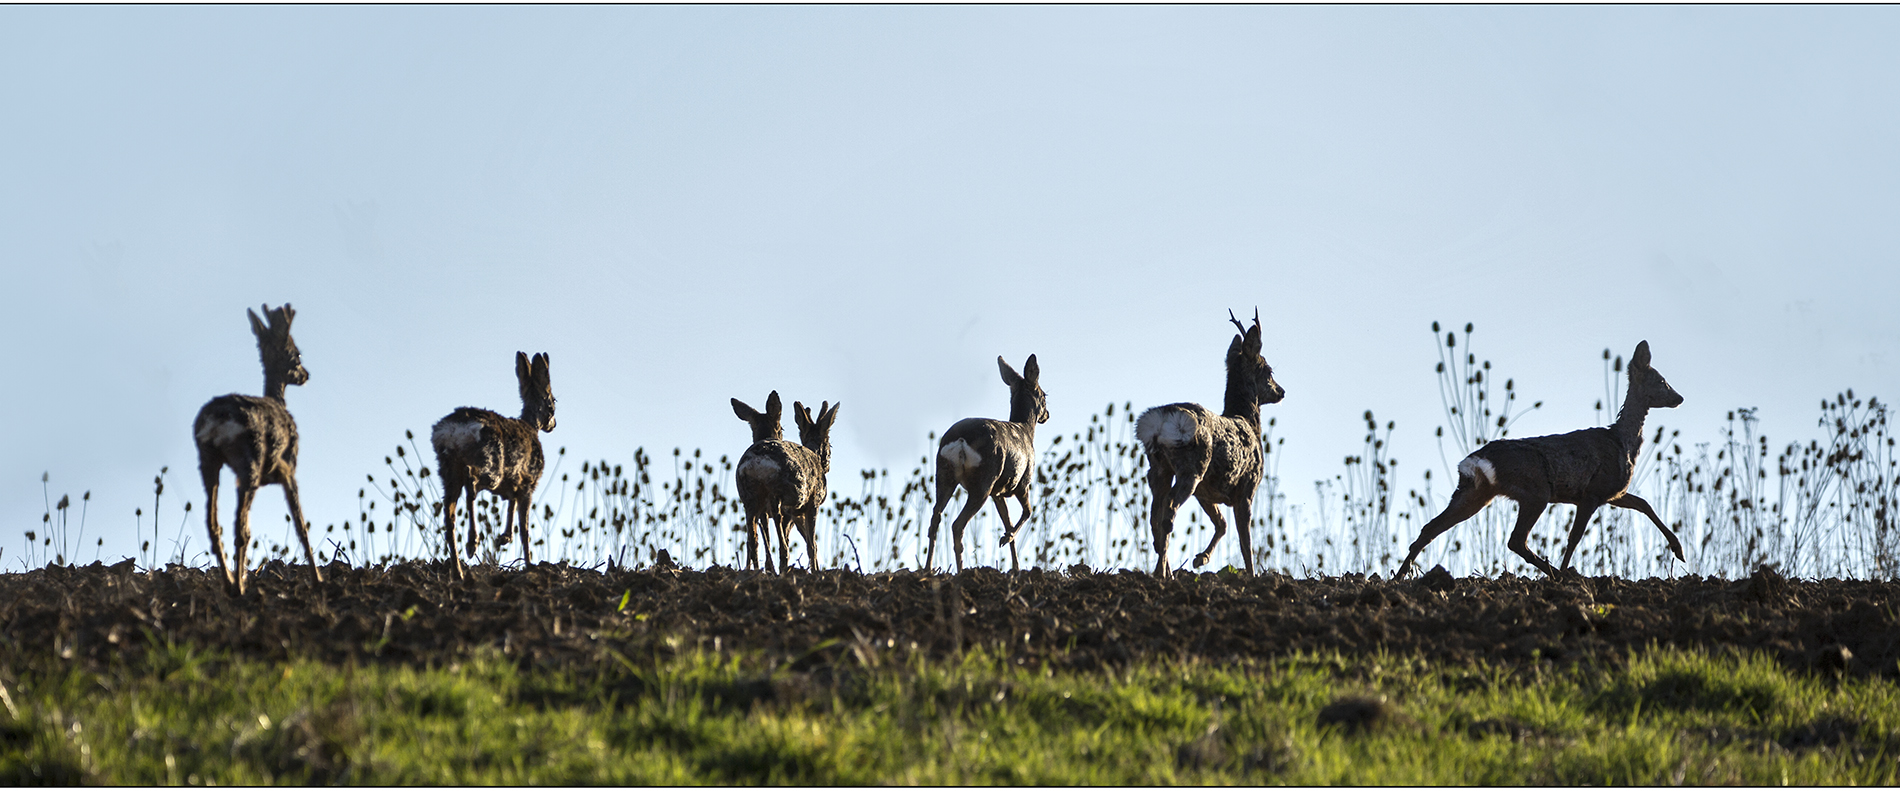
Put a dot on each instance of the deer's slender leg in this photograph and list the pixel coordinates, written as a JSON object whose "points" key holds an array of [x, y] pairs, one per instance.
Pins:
{"points": [[303, 528], [1243, 524], [246, 490], [1016, 529], [1584, 512], [751, 541], [450, 495], [527, 554], [808, 525], [468, 495], [1465, 503], [764, 539], [1527, 514], [1641, 506], [211, 470], [1009, 529], [1220, 529], [1187, 480], [785, 539], [971, 508], [946, 486], [1161, 513]]}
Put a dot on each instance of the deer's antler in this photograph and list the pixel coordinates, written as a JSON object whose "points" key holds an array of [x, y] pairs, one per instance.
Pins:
{"points": [[1236, 321]]}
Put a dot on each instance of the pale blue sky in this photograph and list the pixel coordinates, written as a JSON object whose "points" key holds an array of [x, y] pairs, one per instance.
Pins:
{"points": [[684, 204]]}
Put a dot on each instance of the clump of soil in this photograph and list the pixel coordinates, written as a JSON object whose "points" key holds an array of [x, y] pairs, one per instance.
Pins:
{"points": [[562, 615]]}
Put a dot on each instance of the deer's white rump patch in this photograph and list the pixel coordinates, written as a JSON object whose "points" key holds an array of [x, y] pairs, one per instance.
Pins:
{"points": [[457, 435], [758, 467], [960, 455], [218, 432], [1480, 469], [1167, 427]]}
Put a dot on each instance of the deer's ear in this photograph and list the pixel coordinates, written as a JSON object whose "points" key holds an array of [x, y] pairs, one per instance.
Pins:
{"points": [[1010, 377], [257, 325], [522, 370], [1253, 337], [289, 313], [539, 366], [745, 413], [774, 408], [1238, 346], [1641, 356], [1032, 371], [827, 415], [802, 416]]}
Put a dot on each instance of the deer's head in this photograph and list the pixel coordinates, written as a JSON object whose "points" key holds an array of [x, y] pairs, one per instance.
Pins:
{"points": [[816, 434], [1243, 359], [765, 425], [1647, 386], [1027, 401], [275, 346], [537, 392]]}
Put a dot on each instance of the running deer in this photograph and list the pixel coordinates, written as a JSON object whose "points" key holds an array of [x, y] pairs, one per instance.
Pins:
{"points": [[257, 439], [1217, 459], [991, 460], [780, 482], [477, 450], [1589, 468]]}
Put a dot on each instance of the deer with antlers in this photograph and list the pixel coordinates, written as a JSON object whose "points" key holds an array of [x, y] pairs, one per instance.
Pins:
{"points": [[256, 437], [477, 450], [1590, 468], [781, 483], [1216, 459], [992, 460]]}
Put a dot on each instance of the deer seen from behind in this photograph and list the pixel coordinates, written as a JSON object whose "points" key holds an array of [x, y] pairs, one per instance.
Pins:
{"points": [[1590, 468], [256, 437], [992, 460], [782, 484], [1216, 459], [477, 450]]}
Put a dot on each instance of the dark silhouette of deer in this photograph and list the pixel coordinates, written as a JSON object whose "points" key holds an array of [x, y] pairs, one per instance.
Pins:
{"points": [[1217, 459], [992, 460], [257, 439], [1589, 468], [781, 483], [477, 450], [767, 427]]}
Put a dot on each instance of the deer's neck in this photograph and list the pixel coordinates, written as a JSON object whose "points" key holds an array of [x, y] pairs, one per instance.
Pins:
{"points": [[1241, 401], [274, 384], [1629, 425], [1024, 414]]}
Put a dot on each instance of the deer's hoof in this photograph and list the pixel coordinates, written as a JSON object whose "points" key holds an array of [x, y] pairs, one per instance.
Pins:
{"points": [[1200, 560]]}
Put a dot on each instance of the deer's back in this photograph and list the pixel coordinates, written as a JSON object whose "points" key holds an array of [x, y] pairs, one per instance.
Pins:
{"points": [[989, 446], [244, 429], [780, 473], [1588, 465], [495, 453]]}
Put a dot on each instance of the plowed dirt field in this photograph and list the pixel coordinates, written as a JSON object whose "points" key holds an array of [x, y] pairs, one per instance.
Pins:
{"points": [[564, 616]]}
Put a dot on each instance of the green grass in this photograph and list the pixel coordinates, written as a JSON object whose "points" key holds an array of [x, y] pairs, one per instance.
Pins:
{"points": [[184, 716]]}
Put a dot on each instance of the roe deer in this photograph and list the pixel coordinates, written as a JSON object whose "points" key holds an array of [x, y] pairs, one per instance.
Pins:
{"points": [[767, 426], [780, 482], [1588, 468], [1215, 458], [991, 460], [257, 439], [478, 450]]}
